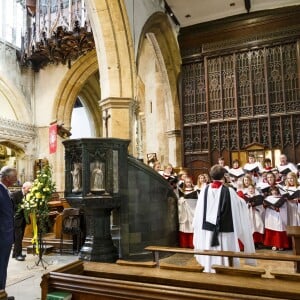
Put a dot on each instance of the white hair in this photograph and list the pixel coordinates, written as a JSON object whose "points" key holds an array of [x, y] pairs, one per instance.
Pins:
{"points": [[6, 171], [27, 184]]}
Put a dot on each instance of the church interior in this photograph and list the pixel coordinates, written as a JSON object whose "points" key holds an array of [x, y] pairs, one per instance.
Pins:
{"points": [[101, 91]]}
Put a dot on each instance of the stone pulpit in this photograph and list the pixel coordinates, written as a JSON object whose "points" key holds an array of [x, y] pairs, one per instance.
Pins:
{"points": [[95, 179]]}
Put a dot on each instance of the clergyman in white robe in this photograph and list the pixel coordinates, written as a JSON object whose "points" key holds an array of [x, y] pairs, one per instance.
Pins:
{"points": [[228, 241]]}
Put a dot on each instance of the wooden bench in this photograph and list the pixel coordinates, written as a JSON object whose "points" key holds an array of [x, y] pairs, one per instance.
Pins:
{"points": [[229, 254], [98, 281]]}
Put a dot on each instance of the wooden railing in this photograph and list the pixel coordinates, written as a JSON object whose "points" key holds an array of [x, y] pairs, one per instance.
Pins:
{"points": [[229, 254]]}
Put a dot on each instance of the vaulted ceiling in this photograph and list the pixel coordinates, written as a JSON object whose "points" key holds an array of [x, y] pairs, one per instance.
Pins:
{"points": [[190, 12]]}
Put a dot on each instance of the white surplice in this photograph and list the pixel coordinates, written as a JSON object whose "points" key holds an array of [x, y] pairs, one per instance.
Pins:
{"points": [[228, 241]]}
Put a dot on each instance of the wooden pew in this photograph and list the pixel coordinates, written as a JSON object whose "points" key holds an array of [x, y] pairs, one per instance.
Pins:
{"points": [[229, 254], [294, 232], [93, 281]]}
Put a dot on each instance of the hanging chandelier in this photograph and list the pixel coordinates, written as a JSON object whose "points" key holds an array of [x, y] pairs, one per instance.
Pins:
{"points": [[51, 38]]}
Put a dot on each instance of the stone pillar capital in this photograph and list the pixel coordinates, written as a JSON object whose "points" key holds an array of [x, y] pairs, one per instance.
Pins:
{"points": [[115, 103], [116, 117]]}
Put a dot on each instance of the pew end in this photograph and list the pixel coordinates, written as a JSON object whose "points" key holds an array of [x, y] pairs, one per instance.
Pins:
{"points": [[294, 233]]}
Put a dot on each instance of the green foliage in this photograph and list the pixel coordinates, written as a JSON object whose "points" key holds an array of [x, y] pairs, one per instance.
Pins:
{"points": [[36, 200]]}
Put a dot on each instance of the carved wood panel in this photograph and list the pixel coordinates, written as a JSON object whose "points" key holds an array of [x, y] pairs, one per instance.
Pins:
{"points": [[236, 99]]}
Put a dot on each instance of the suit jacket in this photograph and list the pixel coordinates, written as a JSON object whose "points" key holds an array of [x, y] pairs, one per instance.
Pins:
{"points": [[17, 198], [6, 218]]}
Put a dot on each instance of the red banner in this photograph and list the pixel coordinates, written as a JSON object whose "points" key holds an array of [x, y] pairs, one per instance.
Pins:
{"points": [[52, 138]]}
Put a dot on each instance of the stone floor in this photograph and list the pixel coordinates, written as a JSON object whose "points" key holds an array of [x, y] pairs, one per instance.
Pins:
{"points": [[24, 277]]}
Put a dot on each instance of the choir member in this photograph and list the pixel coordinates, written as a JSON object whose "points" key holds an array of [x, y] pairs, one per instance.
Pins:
{"points": [[181, 178], [276, 221], [291, 186], [168, 171], [246, 181], [235, 173], [257, 213], [285, 167], [253, 167], [221, 162], [221, 219], [201, 183], [186, 208], [156, 166]]}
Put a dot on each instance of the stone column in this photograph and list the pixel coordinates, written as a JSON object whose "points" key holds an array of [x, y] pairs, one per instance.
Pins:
{"points": [[116, 117]]}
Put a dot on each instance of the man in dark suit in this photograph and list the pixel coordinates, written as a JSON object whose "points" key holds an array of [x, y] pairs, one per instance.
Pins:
{"points": [[8, 176], [20, 221]]}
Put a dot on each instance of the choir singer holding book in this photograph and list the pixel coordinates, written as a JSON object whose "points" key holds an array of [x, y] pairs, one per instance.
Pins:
{"points": [[285, 167]]}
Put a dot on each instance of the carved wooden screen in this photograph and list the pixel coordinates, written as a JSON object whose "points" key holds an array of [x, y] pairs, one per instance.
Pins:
{"points": [[231, 101], [194, 105], [194, 108]]}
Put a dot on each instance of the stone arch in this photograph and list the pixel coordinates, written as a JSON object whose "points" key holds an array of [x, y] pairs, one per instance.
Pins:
{"points": [[159, 33], [72, 86], [115, 63], [15, 100], [17, 132], [114, 48], [17, 147]]}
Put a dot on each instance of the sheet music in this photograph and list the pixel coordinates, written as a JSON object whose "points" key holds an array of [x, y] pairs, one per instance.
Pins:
{"points": [[236, 172], [273, 199], [261, 186]]}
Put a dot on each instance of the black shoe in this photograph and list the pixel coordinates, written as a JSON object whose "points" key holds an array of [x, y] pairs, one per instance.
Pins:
{"points": [[259, 246], [20, 258], [10, 298], [14, 256]]}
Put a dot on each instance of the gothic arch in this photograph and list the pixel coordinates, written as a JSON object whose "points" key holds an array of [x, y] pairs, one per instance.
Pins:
{"points": [[15, 100], [158, 33], [114, 48], [72, 86], [17, 133]]}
